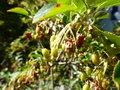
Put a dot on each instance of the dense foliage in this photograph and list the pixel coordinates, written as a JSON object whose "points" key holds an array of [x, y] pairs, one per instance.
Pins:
{"points": [[61, 46]]}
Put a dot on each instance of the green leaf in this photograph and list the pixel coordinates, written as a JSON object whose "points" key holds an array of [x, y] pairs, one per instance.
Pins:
{"points": [[66, 19], [108, 39], [116, 73], [52, 1], [42, 12], [94, 3], [100, 15], [80, 5], [68, 2], [51, 10], [36, 54], [111, 50], [108, 3], [112, 37], [100, 4], [18, 10]]}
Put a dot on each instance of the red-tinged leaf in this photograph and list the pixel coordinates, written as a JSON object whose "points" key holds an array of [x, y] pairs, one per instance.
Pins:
{"points": [[51, 10]]}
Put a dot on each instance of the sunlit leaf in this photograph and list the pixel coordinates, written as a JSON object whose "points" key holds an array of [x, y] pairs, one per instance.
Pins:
{"points": [[68, 2], [80, 5], [18, 10], [111, 39], [94, 3], [108, 3], [100, 4], [51, 10]]}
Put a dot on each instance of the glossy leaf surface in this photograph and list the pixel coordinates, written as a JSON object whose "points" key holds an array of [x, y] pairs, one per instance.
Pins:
{"points": [[51, 10]]}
